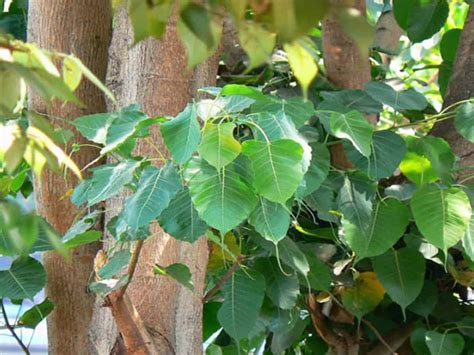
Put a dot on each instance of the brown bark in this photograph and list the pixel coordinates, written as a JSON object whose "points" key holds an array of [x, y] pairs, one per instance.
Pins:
{"points": [[346, 67], [460, 87], [153, 73], [81, 27]]}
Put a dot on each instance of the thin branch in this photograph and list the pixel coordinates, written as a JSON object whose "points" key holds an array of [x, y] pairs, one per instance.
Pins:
{"points": [[12, 330], [131, 267], [223, 280], [378, 335]]}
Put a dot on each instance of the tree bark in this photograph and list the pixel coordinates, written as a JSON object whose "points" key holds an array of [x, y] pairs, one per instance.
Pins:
{"points": [[153, 73], [82, 27], [460, 87], [346, 67]]}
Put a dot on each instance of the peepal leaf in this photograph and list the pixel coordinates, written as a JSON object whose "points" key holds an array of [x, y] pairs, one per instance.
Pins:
{"points": [[464, 121], [441, 215], [364, 296], [354, 127], [387, 151], [218, 145], [32, 317], [178, 272], [243, 298], [271, 220], [156, 188], [23, 280], [402, 273], [444, 343], [221, 197], [388, 223], [108, 180], [302, 63], [400, 100], [182, 134], [181, 220], [317, 172], [276, 167]]}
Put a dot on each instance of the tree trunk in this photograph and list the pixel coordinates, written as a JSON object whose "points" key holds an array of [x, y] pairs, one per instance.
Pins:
{"points": [[346, 67], [81, 27], [153, 73], [460, 87]]}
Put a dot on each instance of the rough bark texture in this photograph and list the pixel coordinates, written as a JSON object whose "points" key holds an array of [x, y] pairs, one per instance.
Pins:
{"points": [[346, 67], [82, 27], [461, 87], [153, 73]]}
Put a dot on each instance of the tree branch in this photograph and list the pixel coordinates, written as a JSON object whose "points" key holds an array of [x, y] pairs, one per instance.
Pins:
{"points": [[131, 268], [223, 280], [12, 330]]}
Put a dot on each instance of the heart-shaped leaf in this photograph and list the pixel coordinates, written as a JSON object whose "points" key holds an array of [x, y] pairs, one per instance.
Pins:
{"points": [[218, 145]]}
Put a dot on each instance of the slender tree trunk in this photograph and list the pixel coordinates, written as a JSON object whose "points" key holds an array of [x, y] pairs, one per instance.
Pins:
{"points": [[153, 73], [460, 87], [81, 27]]}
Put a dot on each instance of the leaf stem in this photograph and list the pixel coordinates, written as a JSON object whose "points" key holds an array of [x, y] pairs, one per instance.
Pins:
{"points": [[12, 329], [131, 267], [223, 279]]}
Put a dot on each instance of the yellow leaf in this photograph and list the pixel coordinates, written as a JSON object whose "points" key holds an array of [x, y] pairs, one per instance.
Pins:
{"points": [[364, 296], [302, 63], [219, 256], [72, 74]]}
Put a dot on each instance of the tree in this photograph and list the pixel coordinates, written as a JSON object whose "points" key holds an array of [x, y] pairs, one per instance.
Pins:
{"points": [[327, 229]]}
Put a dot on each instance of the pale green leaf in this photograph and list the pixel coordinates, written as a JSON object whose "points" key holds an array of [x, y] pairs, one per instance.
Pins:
{"points": [[178, 272], [276, 167], [302, 63], [218, 145], [441, 215], [257, 42], [115, 264], [222, 198]]}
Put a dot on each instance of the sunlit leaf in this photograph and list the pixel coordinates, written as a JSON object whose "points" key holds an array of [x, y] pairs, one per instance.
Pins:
{"points": [[271, 220], [218, 145], [257, 42], [302, 63]]}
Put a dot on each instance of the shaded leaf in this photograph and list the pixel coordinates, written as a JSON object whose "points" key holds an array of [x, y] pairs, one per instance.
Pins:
{"points": [[178, 272], [364, 296], [464, 121], [444, 343], [33, 316], [271, 220], [24, 279], [408, 99]]}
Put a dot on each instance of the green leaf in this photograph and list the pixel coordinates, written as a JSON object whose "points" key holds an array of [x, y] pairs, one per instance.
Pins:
{"points": [[222, 198], [354, 127], [282, 289], [417, 342], [402, 273], [418, 168], [449, 44], [107, 286], [149, 18], [464, 121], [319, 275], [409, 99], [72, 75], [178, 272], [218, 145], [355, 25], [94, 127], [182, 134], [24, 279], [108, 180], [295, 108], [387, 224], [441, 215], [426, 18], [317, 171], [257, 42], [444, 343], [181, 220], [81, 226], [156, 188], [302, 63], [271, 220], [357, 100], [33, 316], [115, 264], [18, 230], [364, 296], [426, 301], [276, 167], [243, 297], [198, 21], [83, 238], [468, 239], [387, 151], [355, 200]]}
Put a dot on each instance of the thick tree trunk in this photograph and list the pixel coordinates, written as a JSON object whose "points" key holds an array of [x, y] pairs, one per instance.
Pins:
{"points": [[82, 27], [461, 87], [153, 73]]}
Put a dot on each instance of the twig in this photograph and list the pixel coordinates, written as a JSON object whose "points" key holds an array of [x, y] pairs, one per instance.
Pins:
{"points": [[223, 280], [378, 335], [12, 330], [131, 267]]}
